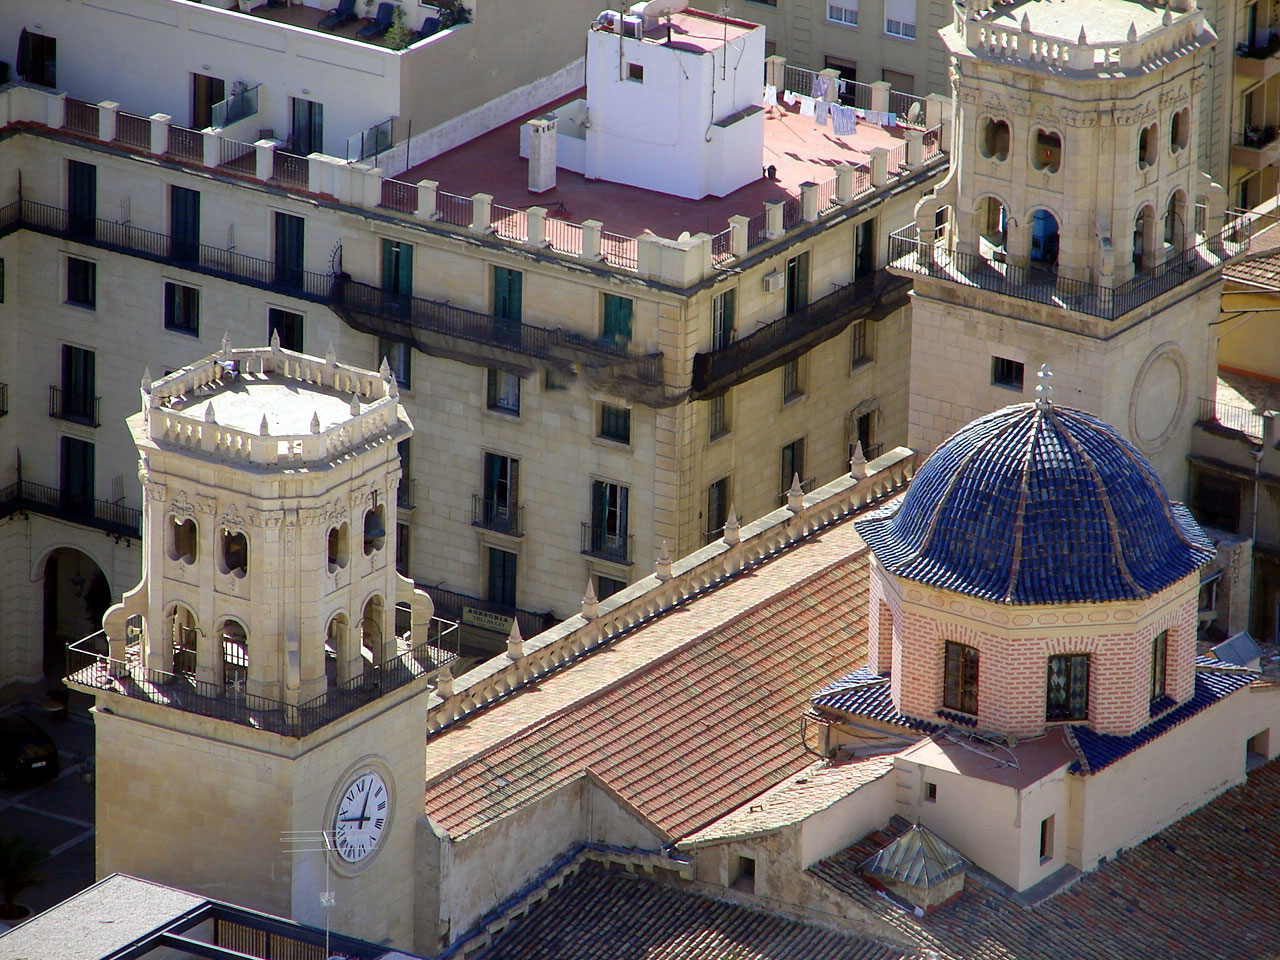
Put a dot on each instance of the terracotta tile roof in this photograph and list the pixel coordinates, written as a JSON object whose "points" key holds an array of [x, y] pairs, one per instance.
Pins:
{"points": [[606, 913], [802, 794], [1206, 887], [1259, 271], [866, 694], [685, 719]]}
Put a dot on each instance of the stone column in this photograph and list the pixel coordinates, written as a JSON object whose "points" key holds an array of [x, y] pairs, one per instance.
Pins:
{"points": [[108, 116], [591, 239], [809, 201], [879, 166], [481, 213], [212, 144], [56, 118], [536, 226], [738, 236], [880, 96], [915, 149], [160, 133], [844, 183], [427, 190], [773, 219], [265, 157]]}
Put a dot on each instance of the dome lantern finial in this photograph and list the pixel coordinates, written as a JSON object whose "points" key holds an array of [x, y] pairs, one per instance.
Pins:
{"points": [[1044, 389]]}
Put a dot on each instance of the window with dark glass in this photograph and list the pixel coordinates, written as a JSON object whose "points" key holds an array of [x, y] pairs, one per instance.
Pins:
{"points": [[717, 508], [792, 383], [286, 325], [82, 198], [722, 317], [399, 357], [289, 243], [307, 126], [1215, 501], [76, 487], [1067, 696], [182, 308], [79, 386], [616, 324], [205, 92], [615, 423], [718, 416], [397, 267], [503, 392], [609, 520], [502, 577], [501, 500], [607, 587], [797, 282], [960, 678], [508, 295], [1159, 662], [403, 552], [858, 352], [82, 282], [1007, 373], [38, 59], [184, 223], [792, 464]]}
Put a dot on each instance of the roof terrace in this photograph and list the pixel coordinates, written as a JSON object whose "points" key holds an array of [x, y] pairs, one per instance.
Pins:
{"points": [[419, 22]]}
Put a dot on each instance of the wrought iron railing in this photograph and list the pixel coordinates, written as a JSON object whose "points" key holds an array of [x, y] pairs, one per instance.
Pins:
{"points": [[186, 144], [909, 254], [500, 515], [89, 665], [872, 297], [290, 169], [599, 542], [114, 518], [1240, 419], [409, 319], [132, 130], [81, 117], [452, 603], [202, 258], [74, 406]]}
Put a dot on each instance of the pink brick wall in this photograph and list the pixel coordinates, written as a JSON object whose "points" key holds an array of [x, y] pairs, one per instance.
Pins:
{"points": [[879, 627], [1013, 665]]}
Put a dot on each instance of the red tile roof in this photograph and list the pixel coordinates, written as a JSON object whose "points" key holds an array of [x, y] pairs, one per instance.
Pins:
{"points": [[1206, 887], [700, 713]]}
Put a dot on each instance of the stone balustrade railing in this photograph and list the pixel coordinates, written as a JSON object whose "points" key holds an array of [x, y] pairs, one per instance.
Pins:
{"points": [[603, 622]]}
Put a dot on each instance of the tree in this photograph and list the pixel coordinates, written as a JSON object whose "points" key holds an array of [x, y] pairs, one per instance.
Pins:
{"points": [[19, 860]]}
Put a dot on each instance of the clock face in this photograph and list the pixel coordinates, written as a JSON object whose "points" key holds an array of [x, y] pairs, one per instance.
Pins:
{"points": [[361, 817]]}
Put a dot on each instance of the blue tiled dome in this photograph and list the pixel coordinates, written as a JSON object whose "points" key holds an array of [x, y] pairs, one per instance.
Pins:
{"points": [[1032, 505]]}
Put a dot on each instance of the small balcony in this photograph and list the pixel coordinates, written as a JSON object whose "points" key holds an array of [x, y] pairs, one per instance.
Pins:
{"points": [[1230, 420], [74, 407], [116, 519], [603, 545], [1259, 61], [499, 516], [1257, 147]]}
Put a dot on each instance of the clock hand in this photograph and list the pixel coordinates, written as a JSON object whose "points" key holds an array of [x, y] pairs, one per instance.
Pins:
{"points": [[364, 810]]}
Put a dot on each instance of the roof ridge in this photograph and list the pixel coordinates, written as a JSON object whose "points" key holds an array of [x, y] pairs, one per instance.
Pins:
{"points": [[1020, 513]]}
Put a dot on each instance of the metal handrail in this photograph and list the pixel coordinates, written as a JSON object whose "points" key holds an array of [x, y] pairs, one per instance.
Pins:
{"points": [[113, 518], [498, 515], [1239, 419], [597, 542], [74, 407]]}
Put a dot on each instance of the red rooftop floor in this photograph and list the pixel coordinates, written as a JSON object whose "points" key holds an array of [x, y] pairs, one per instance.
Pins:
{"points": [[801, 151]]}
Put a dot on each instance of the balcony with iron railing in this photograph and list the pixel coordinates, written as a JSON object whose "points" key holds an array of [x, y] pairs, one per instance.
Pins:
{"points": [[605, 545], [453, 604], [1225, 418], [23, 496], [774, 344], [91, 670], [472, 337], [74, 406], [161, 248], [939, 260], [501, 516]]}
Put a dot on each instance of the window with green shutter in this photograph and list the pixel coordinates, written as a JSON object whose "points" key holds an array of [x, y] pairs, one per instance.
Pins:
{"points": [[616, 327], [507, 294]]}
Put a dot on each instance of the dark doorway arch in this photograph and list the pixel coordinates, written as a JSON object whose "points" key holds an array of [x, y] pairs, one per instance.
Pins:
{"points": [[76, 595]]}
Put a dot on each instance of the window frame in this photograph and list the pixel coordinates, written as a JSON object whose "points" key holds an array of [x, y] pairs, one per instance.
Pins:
{"points": [[617, 319], [499, 400], [177, 301], [89, 281], [846, 5], [280, 320], [504, 576], [859, 344], [1002, 377], [718, 417], [399, 357], [724, 306], [905, 30], [792, 381], [1069, 709], [616, 419], [961, 677], [788, 462], [1160, 666]]}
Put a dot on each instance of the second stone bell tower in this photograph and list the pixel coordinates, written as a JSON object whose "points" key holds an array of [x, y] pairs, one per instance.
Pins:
{"points": [[253, 689], [1075, 227]]}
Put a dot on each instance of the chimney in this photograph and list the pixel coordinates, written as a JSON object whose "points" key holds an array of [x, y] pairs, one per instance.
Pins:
{"points": [[542, 154]]}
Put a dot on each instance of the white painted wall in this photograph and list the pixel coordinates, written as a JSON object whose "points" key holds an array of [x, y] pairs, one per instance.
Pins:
{"points": [[848, 820]]}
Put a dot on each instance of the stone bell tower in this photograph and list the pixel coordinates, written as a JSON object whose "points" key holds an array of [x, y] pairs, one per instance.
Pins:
{"points": [[1075, 227], [253, 688]]}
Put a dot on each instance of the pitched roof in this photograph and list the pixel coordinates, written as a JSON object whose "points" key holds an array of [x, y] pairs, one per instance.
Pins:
{"points": [[1038, 504], [811, 790], [866, 694], [1100, 750], [919, 857], [1206, 887], [685, 719], [607, 913], [1240, 649]]}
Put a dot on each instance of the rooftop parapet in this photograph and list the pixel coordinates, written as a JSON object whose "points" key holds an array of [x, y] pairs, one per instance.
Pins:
{"points": [[267, 405]]}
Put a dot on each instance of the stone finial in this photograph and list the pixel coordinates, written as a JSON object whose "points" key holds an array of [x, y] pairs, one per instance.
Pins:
{"points": [[146, 379], [275, 339], [662, 566], [1044, 389], [1133, 32], [590, 606], [330, 355], [1026, 23], [263, 429], [355, 404], [444, 683], [515, 642], [226, 344], [1167, 18], [795, 496], [208, 413], [315, 422], [384, 370], [731, 534], [1082, 39], [858, 462]]}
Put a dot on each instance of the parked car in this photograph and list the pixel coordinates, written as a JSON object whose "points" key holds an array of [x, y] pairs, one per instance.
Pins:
{"points": [[26, 751]]}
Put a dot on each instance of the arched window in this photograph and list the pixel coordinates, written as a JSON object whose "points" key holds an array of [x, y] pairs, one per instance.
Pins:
{"points": [[994, 139], [235, 658], [183, 634], [1047, 153], [1044, 240], [375, 530], [1148, 139], [1175, 221], [339, 547], [234, 553], [183, 540], [1179, 130], [960, 678], [993, 223], [371, 630], [1143, 237]]}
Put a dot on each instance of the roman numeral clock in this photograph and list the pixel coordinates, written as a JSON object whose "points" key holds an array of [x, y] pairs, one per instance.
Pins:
{"points": [[360, 817]]}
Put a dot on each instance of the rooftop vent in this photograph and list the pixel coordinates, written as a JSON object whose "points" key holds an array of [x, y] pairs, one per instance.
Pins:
{"points": [[919, 867]]}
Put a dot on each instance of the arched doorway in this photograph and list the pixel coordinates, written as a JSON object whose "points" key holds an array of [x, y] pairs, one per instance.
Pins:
{"points": [[993, 228], [76, 595], [371, 632], [1044, 240], [235, 658], [1144, 239]]}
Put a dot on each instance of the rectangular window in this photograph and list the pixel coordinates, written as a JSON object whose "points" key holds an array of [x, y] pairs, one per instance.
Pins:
{"points": [[82, 198], [76, 489], [1209, 594], [403, 551], [82, 283], [616, 324], [901, 82], [508, 294], [502, 577], [289, 240], [287, 326], [503, 391], [307, 132], [615, 423], [38, 59], [1067, 696], [1159, 661], [792, 382], [77, 400], [399, 357], [184, 224], [1046, 839], [900, 18], [397, 267], [717, 508], [635, 73], [864, 249], [792, 464], [501, 488], [205, 92], [404, 492], [182, 309], [797, 282], [858, 351], [609, 521], [718, 416], [1007, 373], [866, 435], [930, 792], [722, 316], [843, 11], [607, 587], [960, 678]]}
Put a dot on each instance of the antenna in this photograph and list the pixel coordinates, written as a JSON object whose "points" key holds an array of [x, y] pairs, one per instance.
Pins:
{"points": [[314, 841]]}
